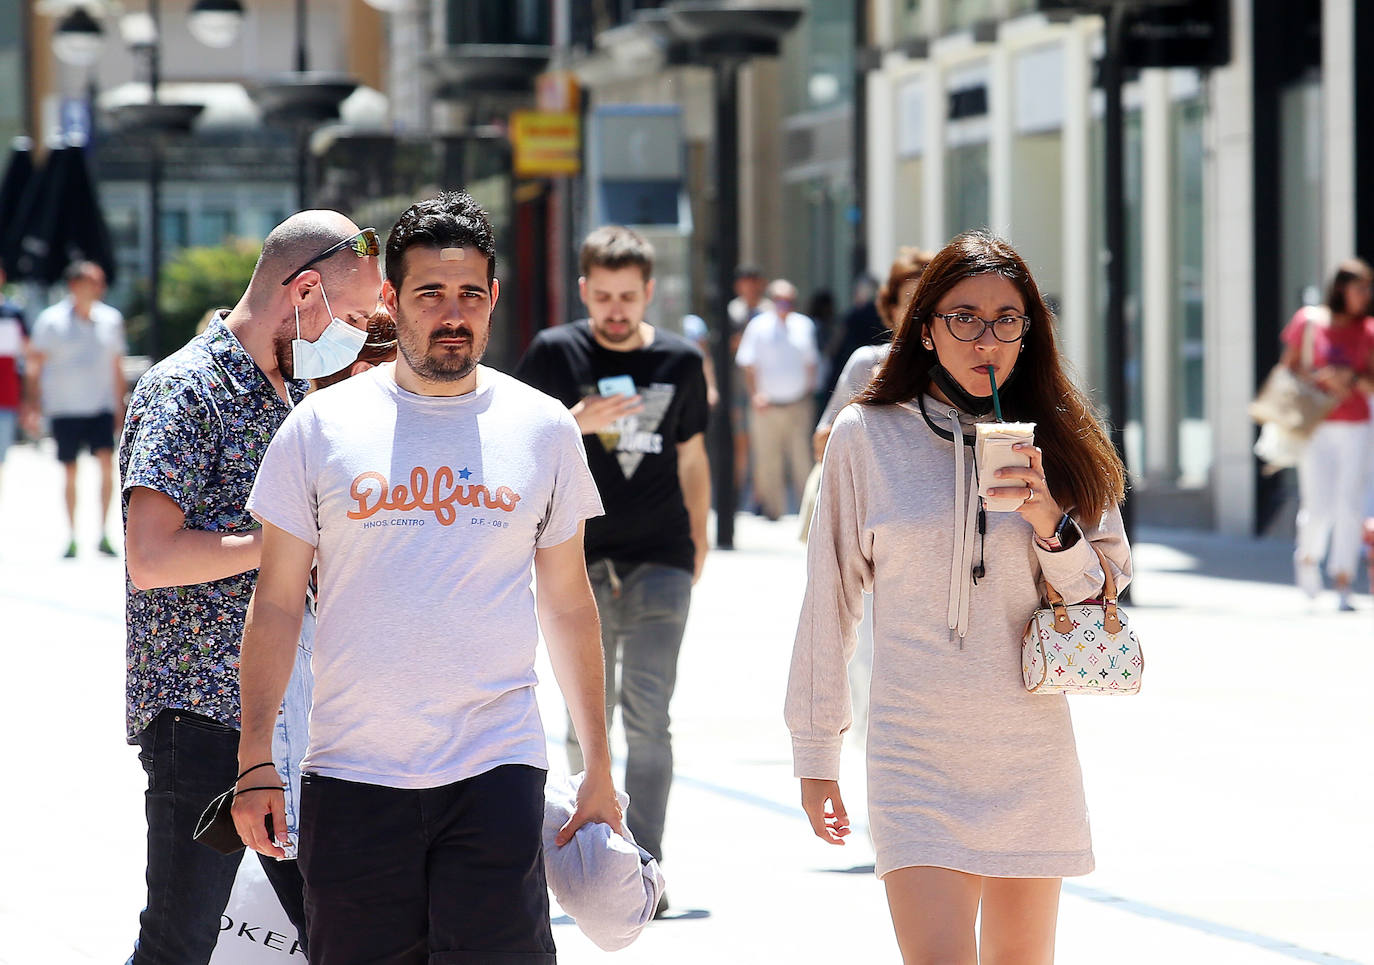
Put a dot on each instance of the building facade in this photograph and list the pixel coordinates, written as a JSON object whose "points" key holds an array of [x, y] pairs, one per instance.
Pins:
{"points": [[1240, 198]]}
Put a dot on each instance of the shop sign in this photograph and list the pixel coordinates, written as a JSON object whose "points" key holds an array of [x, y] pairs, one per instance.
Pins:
{"points": [[546, 144], [1164, 33]]}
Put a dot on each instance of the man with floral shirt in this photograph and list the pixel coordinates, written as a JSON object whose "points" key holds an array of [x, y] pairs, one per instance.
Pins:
{"points": [[197, 427]]}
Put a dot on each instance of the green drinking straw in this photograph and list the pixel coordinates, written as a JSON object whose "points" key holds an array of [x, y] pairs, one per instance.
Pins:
{"points": [[996, 402]]}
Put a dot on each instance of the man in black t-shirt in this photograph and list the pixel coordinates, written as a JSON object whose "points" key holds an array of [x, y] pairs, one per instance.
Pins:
{"points": [[639, 396]]}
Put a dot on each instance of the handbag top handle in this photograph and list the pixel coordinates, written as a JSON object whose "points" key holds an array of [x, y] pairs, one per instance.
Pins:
{"points": [[1111, 622]]}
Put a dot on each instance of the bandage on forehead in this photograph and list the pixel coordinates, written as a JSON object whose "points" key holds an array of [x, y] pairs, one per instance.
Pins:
{"points": [[452, 254]]}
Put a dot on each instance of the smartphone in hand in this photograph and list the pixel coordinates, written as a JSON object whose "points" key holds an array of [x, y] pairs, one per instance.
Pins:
{"points": [[616, 385]]}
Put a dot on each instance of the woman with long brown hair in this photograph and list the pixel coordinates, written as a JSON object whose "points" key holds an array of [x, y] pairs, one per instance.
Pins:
{"points": [[975, 794]]}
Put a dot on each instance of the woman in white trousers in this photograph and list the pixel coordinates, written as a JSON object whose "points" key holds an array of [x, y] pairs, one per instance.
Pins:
{"points": [[1333, 346]]}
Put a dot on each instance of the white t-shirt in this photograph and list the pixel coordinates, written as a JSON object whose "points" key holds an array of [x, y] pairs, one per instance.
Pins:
{"points": [[78, 369], [425, 513], [783, 355]]}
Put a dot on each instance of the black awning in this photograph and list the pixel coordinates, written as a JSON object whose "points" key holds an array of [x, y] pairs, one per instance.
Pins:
{"points": [[58, 221], [18, 177]]}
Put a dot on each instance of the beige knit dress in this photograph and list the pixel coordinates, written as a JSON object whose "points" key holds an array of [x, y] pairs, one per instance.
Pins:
{"points": [[966, 770]]}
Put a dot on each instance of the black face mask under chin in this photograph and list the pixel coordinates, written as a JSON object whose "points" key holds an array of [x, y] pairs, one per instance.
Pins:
{"points": [[956, 393]]}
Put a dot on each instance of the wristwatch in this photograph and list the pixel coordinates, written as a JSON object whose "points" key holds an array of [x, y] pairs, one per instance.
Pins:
{"points": [[1066, 534]]}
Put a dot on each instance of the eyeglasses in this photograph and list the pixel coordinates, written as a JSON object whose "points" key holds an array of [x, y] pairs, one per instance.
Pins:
{"points": [[970, 328], [365, 244]]}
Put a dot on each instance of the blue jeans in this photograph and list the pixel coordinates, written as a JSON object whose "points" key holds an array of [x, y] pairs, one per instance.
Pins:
{"points": [[643, 615], [190, 760], [292, 732]]}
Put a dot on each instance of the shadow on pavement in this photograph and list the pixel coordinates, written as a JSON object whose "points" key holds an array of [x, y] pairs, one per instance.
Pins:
{"points": [[858, 869], [1224, 557], [688, 914]]}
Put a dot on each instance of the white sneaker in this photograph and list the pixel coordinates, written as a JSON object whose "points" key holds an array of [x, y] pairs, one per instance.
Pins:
{"points": [[1344, 604], [1309, 578]]}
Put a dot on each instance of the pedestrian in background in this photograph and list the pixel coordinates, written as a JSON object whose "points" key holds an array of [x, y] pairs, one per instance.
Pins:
{"points": [[75, 375], [749, 302], [14, 338], [891, 304], [639, 396], [199, 424], [432, 491], [861, 325], [695, 330], [1332, 472], [779, 358], [820, 308], [975, 795]]}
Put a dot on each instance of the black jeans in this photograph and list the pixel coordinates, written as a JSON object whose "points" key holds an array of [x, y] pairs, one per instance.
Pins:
{"points": [[190, 760], [450, 875]]}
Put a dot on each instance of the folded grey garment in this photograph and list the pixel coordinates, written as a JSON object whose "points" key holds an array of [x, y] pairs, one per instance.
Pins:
{"points": [[605, 882]]}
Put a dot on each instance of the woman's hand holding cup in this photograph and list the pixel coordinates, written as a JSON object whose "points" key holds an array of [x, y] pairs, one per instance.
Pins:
{"points": [[1028, 483]]}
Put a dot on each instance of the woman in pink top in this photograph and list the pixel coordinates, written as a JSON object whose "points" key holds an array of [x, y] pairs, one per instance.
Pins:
{"points": [[1331, 476]]}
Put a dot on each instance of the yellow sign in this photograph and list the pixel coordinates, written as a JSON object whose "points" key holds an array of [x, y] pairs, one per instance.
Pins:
{"points": [[546, 144]]}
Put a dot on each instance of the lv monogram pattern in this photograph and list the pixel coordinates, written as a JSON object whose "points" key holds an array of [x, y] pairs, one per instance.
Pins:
{"points": [[1085, 659]]}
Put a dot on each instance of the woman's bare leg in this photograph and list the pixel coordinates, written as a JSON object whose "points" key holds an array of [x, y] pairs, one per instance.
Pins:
{"points": [[933, 912], [1019, 916]]}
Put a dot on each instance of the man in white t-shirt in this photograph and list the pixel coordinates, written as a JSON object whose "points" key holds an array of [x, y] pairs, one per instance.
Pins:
{"points": [[779, 359], [429, 491], [75, 371]]}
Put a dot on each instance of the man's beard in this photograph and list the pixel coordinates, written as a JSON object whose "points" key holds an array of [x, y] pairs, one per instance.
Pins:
{"points": [[281, 350], [444, 365], [615, 338]]}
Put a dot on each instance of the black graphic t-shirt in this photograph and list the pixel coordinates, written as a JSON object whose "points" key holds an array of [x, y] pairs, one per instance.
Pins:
{"points": [[634, 460]]}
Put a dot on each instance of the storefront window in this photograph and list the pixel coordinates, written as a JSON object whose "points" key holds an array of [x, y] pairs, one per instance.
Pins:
{"points": [[967, 185], [910, 204], [965, 13], [966, 188], [817, 243], [1097, 374], [912, 101], [1300, 173], [13, 89], [819, 59], [1194, 431], [1037, 197], [1134, 309], [909, 18], [214, 226]]}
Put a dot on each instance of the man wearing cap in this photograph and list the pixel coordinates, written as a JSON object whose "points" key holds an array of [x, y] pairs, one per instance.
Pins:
{"points": [[197, 428]]}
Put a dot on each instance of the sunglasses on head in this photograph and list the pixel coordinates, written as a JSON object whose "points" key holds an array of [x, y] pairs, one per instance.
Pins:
{"points": [[365, 244]]}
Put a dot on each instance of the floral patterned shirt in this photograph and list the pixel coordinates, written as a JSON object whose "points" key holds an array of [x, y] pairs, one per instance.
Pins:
{"points": [[197, 427]]}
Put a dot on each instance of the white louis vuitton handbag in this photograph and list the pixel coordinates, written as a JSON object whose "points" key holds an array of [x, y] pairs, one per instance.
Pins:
{"points": [[1087, 648]]}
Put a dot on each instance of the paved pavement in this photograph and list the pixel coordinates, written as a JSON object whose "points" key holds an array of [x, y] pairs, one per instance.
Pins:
{"points": [[1232, 802]]}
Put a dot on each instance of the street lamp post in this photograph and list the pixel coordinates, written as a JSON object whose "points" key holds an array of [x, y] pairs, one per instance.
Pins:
{"points": [[727, 257], [727, 35]]}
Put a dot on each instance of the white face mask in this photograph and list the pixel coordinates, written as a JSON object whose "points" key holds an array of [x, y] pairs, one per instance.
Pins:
{"points": [[336, 348]]}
